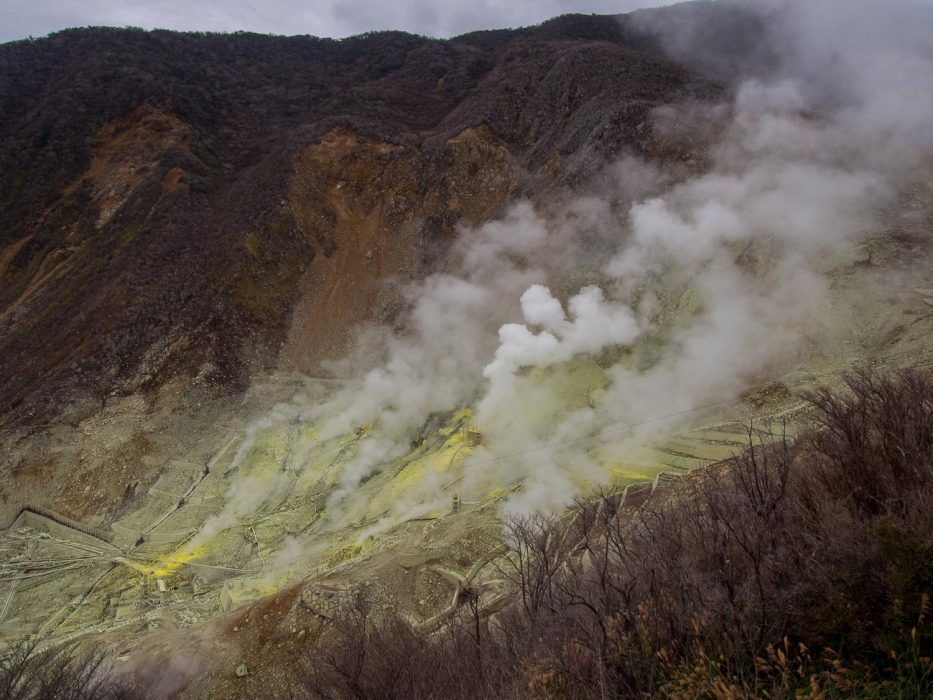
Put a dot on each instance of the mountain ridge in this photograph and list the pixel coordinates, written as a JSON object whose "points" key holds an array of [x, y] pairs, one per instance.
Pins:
{"points": [[86, 84], [306, 333]]}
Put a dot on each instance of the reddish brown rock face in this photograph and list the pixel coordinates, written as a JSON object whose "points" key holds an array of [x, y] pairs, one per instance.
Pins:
{"points": [[175, 207], [194, 227], [379, 215], [127, 153], [180, 213]]}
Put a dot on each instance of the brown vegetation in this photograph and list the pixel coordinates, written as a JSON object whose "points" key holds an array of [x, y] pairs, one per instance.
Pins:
{"points": [[801, 570], [26, 674]]}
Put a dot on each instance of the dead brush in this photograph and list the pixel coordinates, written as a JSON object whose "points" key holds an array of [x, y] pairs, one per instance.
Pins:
{"points": [[65, 673], [825, 544]]}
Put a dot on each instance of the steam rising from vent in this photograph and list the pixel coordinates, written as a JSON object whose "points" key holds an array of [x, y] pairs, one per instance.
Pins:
{"points": [[682, 294]]}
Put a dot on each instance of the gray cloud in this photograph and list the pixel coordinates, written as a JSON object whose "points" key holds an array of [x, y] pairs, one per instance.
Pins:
{"points": [[334, 18]]}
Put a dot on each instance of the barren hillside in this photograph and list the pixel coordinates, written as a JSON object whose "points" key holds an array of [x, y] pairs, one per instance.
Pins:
{"points": [[295, 330]]}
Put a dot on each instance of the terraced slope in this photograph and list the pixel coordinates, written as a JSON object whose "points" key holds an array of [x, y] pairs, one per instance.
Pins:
{"points": [[243, 515], [192, 229]]}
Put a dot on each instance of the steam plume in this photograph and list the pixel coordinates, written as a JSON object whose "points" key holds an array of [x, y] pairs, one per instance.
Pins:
{"points": [[816, 143]]}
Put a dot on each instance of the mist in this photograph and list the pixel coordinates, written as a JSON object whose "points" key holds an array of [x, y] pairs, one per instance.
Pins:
{"points": [[812, 147]]}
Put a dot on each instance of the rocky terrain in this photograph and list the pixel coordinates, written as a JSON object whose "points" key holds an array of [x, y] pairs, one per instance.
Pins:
{"points": [[194, 228], [181, 189], [187, 211]]}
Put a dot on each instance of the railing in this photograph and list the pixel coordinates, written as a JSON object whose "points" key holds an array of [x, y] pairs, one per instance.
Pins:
{"points": [[67, 522]]}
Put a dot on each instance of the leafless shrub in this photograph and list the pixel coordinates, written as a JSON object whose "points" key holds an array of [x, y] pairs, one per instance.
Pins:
{"points": [[377, 654], [60, 674], [793, 569], [874, 444], [825, 541]]}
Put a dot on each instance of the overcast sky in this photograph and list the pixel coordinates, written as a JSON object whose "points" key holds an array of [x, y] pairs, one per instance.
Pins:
{"points": [[334, 18]]}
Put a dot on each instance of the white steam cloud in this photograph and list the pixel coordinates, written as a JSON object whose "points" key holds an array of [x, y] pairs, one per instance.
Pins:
{"points": [[812, 150]]}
